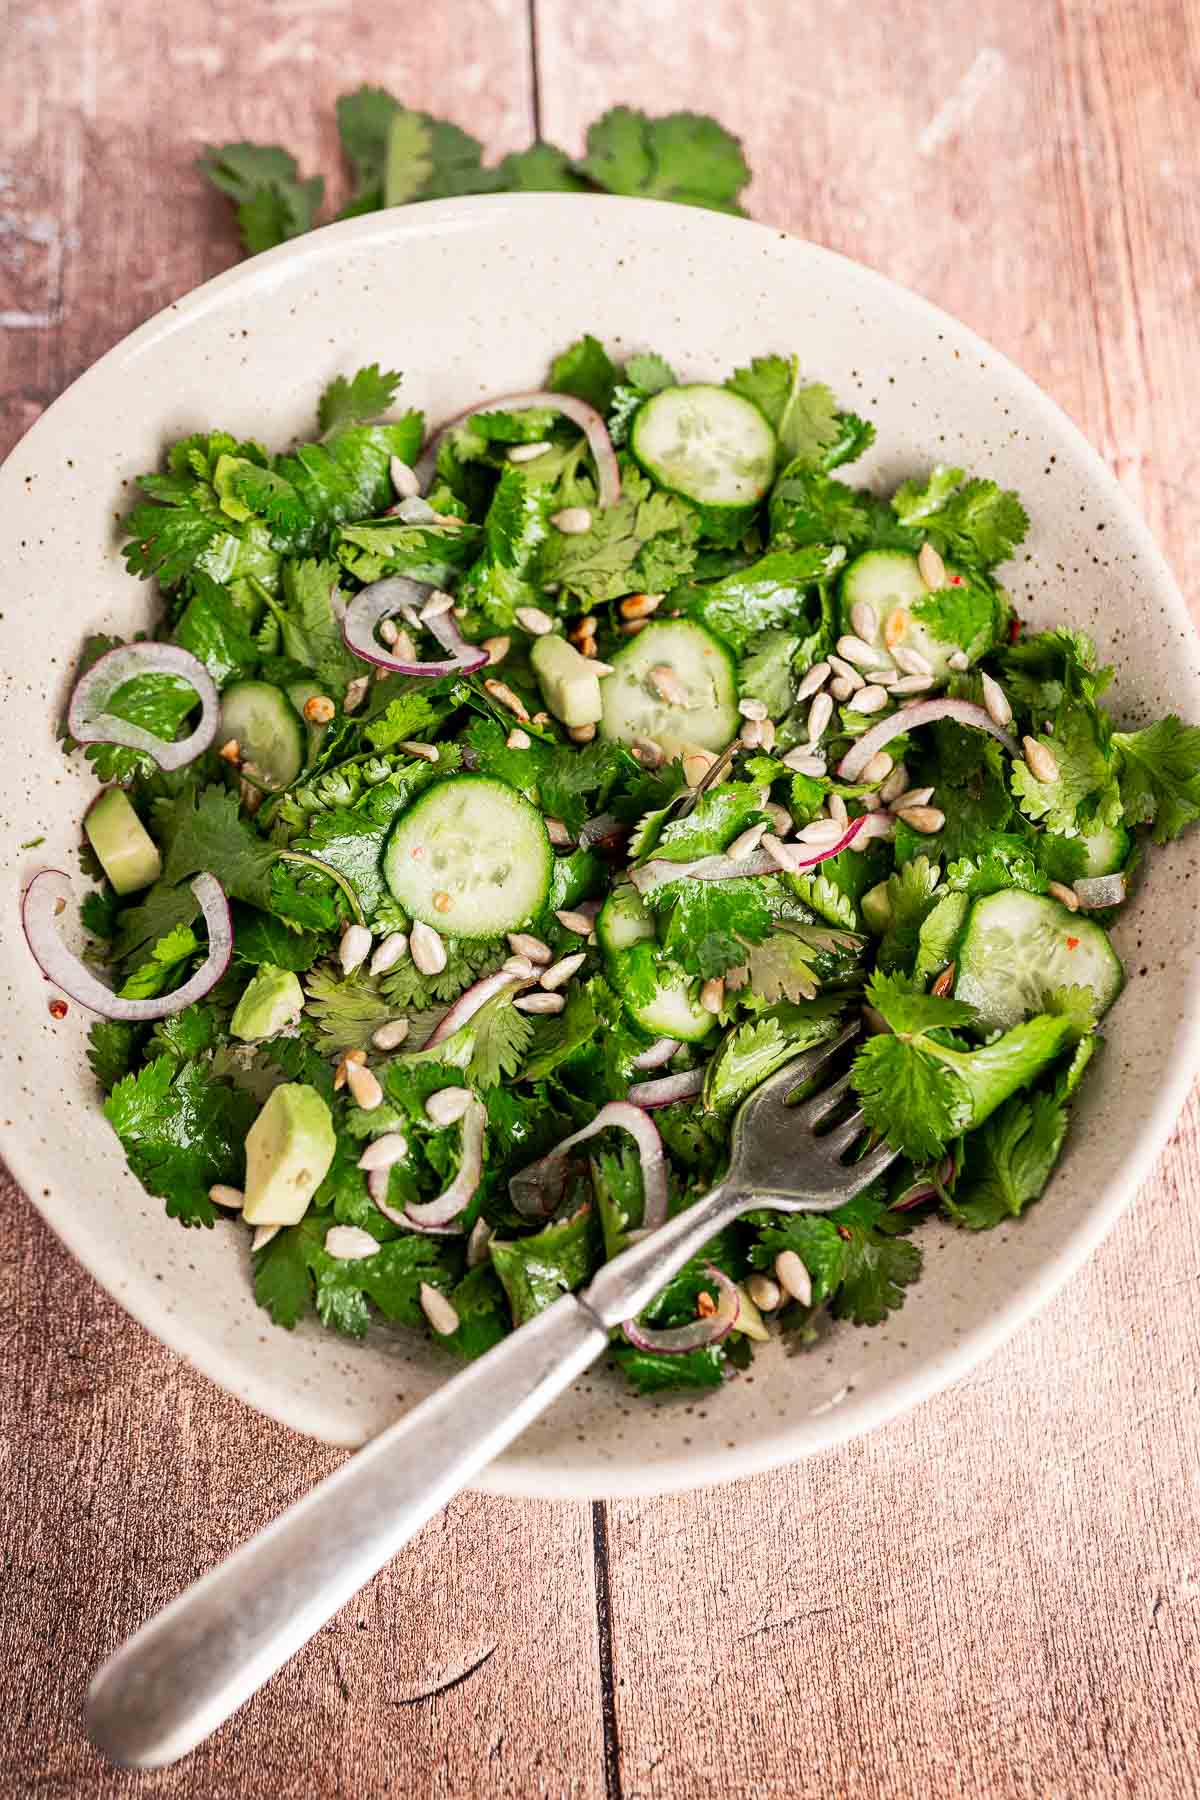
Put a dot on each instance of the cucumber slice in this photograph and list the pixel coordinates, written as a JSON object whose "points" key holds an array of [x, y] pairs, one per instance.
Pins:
{"points": [[471, 857], [699, 663], [268, 730], [1017, 948], [887, 580], [673, 1010], [706, 443], [300, 693], [1107, 850]]}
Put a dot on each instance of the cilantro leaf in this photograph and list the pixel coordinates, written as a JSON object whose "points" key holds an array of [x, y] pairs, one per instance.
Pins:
{"points": [[754, 1050], [112, 1046], [970, 616], [259, 938], [203, 829], [1160, 776], [273, 202], [1040, 671], [804, 419], [538, 1270], [1084, 793], [684, 157], [182, 1131], [765, 672], [719, 815], [312, 635], [976, 522], [467, 959], [585, 370], [809, 507], [542, 169], [216, 631], [854, 1257], [645, 542], [911, 894], [575, 783], [652, 1374], [911, 1099], [771, 593], [167, 959], [344, 1009], [364, 397], [159, 703], [294, 1271], [1008, 1161], [712, 924]]}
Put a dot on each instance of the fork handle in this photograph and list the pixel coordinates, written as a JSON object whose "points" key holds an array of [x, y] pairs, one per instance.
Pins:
{"points": [[186, 1670]]}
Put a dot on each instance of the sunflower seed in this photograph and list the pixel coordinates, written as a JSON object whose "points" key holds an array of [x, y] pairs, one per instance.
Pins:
{"points": [[639, 606], [263, 1236], [572, 521], [837, 810], [581, 734], [816, 678], [522, 453], [912, 684], [404, 481], [841, 689], [345, 1064], [820, 832], [996, 701], [427, 752], [877, 769], [557, 832], [752, 709], [870, 802], [802, 762], [391, 951], [863, 656], [780, 855], [793, 1277], [559, 973], [1040, 762], [668, 686], [519, 967], [896, 783], [521, 943], [846, 670], [383, 1151], [348, 1243], [448, 1104], [1067, 895], [746, 843], [231, 1198], [438, 1310], [534, 620], [870, 699], [696, 765], [767, 728], [477, 1244], [911, 661], [631, 627], [364, 1086], [911, 797], [895, 626], [765, 1293], [354, 948], [497, 649], [958, 661], [819, 715], [574, 921], [712, 994], [540, 1003], [355, 694], [437, 604], [926, 819], [391, 1035], [518, 739], [503, 695], [427, 949], [781, 821], [864, 620], [944, 982], [933, 569]]}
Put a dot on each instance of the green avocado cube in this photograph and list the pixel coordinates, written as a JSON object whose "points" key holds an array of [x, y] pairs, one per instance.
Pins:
{"points": [[569, 683], [273, 999], [289, 1149], [126, 851]]}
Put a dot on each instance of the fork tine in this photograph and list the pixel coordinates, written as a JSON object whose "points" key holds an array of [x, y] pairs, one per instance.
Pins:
{"points": [[839, 1140], [811, 1112], [861, 1174]]}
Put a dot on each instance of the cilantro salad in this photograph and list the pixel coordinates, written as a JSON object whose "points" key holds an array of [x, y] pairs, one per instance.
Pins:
{"points": [[491, 812]]}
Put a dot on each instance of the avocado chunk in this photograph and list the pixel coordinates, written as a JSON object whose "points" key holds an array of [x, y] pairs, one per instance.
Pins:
{"points": [[128, 854], [289, 1149], [569, 684], [273, 998]]}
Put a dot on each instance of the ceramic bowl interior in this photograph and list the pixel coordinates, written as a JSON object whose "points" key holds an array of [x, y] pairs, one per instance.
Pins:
{"points": [[471, 298]]}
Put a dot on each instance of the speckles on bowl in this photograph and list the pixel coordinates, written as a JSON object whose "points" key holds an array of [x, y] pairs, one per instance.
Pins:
{"points": [[935, 392]]}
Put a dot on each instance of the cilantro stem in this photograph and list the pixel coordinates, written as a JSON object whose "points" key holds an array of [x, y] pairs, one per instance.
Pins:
{"points": [[335, 875]]}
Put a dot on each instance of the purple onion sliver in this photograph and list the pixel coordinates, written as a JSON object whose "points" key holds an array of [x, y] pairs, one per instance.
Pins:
{"points": [[657, 1054], [90, 723], [469, 1003], [528, 1187], [46, 897], [911, 718], [435, 1215], [679, 1339], [666, 1090], [385, 597], [579, 412]]}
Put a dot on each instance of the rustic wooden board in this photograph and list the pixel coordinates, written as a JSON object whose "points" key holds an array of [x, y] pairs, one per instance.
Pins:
{"points": [[997, 1596]]}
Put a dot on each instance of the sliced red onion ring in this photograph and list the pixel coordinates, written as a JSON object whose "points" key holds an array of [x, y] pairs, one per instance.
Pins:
{"points": [[911, 718], [666, 1090], [1101, 890], [657, 873], [469, 1003], [578, 411], [657, 1054], [385, 597], [433, 1216], [679, 1339], [528, 1187], [46, 897], [926, 1187], [89, 721], [377, 1187]]}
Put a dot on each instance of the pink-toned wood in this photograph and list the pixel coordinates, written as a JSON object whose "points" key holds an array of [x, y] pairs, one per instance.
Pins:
{"points": [[998, 1596]]}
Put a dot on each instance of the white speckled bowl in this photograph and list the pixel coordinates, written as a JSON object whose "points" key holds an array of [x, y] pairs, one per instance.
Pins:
{"points": [[471, 298]]}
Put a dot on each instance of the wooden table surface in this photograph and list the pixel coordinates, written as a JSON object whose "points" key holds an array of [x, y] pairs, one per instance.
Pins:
{"points": [[998, 1595]]}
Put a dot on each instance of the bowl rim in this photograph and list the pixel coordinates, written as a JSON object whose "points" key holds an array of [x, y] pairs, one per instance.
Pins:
{"points": [[513, 1474]]}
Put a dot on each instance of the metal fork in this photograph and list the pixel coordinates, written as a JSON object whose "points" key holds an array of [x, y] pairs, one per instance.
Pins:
{"points": [[185, 1671]]}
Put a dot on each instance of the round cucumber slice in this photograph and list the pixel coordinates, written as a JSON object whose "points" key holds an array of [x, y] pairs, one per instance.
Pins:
{"points": [[670, 656], [673, 1009], [889, 581], [1017, 948], [707, 444], [1107, 850], [268, 730], [470, 857]]}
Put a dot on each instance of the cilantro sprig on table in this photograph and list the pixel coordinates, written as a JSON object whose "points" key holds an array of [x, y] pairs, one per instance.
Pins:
{"points": [[398, 154]]}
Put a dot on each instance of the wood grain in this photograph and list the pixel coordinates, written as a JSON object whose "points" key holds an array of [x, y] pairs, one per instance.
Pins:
{"points": [[995, 1597]]}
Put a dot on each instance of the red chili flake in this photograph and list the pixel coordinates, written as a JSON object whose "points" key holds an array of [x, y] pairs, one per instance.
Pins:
{"points": [[844, 1231], [956, 581], [1072, 943], [1014, 629], [58, 1009]]}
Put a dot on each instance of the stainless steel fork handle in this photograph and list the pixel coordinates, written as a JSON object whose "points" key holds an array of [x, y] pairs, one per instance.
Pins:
{"points": [[184, 1673]]}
